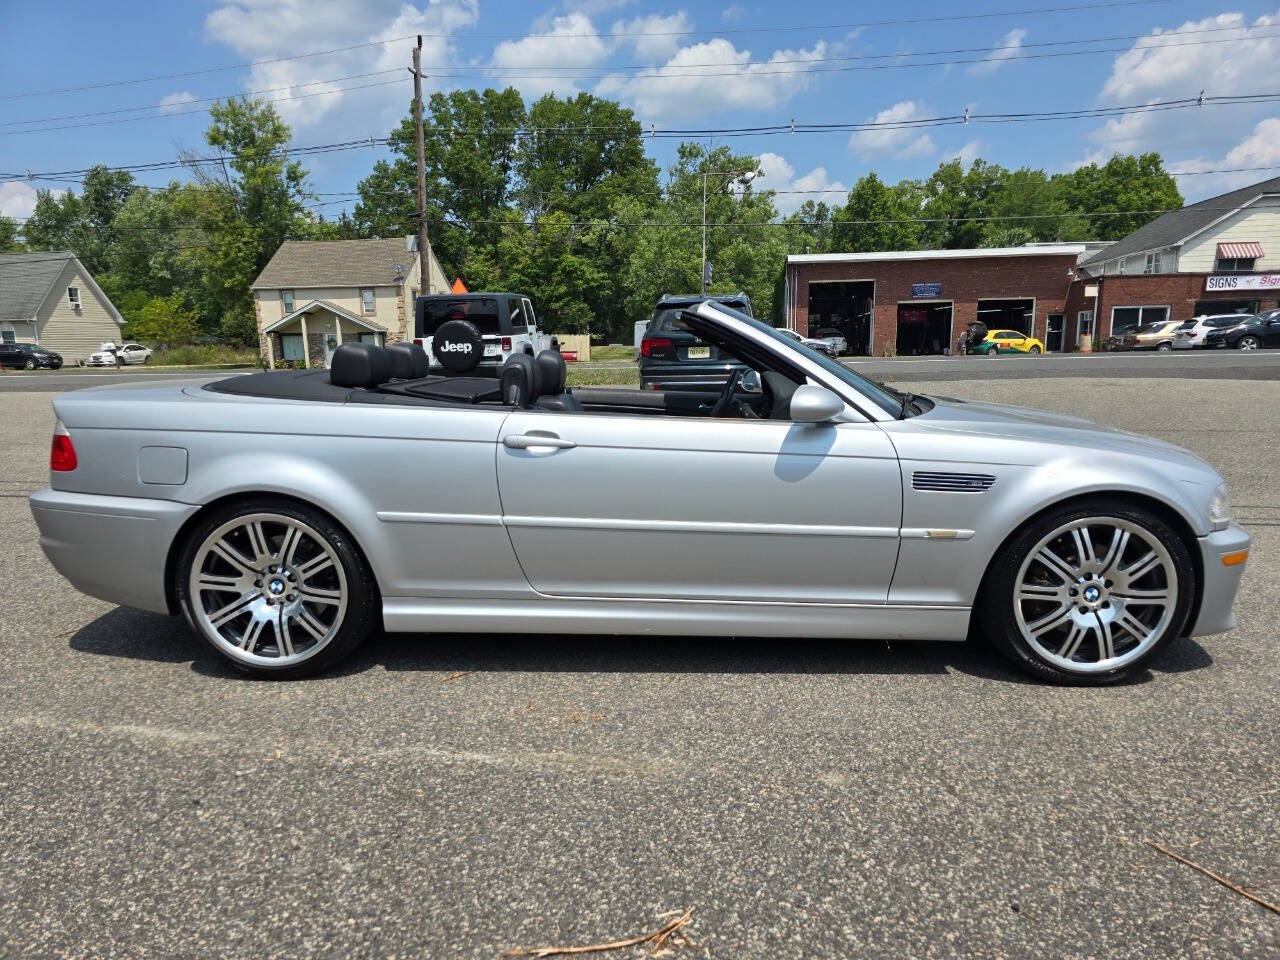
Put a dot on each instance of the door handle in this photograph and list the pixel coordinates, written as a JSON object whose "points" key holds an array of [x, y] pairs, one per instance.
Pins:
{"points": [[523, 441]]}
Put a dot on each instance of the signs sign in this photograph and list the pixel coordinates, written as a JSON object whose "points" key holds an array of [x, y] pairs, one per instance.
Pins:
{"points": [[925, 290], [1242, 281]]}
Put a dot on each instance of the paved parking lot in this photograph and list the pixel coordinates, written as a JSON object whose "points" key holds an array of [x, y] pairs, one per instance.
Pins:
{"points": [[457, 796]]}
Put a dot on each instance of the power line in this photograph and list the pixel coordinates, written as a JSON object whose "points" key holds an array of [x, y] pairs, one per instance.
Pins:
{"points": [[691, 132], [621, 35]]}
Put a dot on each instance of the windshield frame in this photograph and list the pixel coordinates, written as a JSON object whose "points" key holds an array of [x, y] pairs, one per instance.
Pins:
{"points": [[873, 400]]}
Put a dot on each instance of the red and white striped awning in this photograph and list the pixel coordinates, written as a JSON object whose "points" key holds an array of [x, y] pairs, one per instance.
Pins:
{"points": [[1240, 251]]}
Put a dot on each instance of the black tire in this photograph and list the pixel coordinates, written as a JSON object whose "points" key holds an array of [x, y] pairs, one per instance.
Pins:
{"points": [[146, 360], [993, 352], [1034, 349], [1249, 343], [30, 364], [363, 611], [1165, 347], [994, 614]]}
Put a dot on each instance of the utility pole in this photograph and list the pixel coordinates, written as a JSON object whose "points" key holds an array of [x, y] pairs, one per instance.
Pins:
{"points": [[746, 176], [424, 270]]}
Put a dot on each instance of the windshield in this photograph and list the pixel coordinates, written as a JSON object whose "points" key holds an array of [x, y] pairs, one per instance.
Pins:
{"points": [[886, 398], [482, 311]]}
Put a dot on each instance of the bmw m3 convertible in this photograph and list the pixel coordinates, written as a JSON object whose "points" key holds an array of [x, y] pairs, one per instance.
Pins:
{"points": [[285, 515]]}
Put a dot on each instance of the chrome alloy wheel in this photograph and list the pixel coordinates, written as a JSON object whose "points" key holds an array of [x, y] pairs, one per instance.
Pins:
{"points": [[268, 588], [1095, 594]]}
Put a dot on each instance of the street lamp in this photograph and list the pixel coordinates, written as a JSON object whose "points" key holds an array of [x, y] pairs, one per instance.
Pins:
{"points": [[746, 176]]}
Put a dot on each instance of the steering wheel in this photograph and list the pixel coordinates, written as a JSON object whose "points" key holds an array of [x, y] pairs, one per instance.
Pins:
{"points": [[730, 388]]}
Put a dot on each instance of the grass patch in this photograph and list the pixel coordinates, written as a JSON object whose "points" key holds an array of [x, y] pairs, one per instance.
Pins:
{"points": [[614, 352], [194, 356], [620, 377]]}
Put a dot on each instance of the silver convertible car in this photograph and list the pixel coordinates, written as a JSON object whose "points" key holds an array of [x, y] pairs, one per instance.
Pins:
{"points": [[288, 514]]}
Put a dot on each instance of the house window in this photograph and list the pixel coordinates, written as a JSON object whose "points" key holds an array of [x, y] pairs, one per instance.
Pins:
{"points": [[286, 299], [1152, 264], [291, 346], [1131, 318], [6, 332], [73, 297], [374, 338], [1230, 264], [367, 301]]}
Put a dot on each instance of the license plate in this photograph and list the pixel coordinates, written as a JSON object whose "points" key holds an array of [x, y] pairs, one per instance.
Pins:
{"points": [[493, 349], [699, 353]]}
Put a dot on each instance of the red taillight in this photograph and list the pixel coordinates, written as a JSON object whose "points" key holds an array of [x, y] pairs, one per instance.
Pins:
{"points": [[506, 344], [418, 341], [649, 344], [62, 455]]}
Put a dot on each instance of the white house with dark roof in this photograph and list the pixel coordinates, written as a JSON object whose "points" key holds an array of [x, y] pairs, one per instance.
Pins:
{"points": [[49, 298], [315, 295]]}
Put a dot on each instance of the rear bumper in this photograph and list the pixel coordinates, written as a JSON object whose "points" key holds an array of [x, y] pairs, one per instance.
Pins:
{"points": [[112, 548], [1220, 581]]}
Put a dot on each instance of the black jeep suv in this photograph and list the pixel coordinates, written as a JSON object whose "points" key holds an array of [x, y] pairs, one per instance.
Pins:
{"points": [[674, 359]]}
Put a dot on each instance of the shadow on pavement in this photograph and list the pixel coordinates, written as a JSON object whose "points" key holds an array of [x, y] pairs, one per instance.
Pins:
{"points": [[137, 635]]}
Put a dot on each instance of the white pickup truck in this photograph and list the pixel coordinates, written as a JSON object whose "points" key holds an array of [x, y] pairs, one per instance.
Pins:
{"points": [[506, 321]]}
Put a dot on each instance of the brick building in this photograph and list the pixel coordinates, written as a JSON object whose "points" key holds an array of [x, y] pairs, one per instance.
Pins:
{"points": [[1221, 255], [919, 301]]}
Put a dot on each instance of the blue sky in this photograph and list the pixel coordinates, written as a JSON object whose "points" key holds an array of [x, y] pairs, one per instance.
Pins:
{"points": [[730, 63]]}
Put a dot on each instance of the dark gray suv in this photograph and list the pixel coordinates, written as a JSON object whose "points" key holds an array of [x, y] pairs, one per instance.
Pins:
{"points": [[672, 358]]}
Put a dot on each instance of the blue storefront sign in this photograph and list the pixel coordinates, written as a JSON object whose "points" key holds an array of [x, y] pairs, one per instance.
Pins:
{"points": [[925, 290]]}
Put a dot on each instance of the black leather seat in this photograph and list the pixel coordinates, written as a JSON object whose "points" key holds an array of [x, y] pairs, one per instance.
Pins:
{"points": [[553, 395], [359, 365], [408, 361]]}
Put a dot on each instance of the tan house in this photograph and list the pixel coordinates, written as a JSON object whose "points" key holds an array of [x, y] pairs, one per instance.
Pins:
{"points": [[316, 294], [50, 299]]}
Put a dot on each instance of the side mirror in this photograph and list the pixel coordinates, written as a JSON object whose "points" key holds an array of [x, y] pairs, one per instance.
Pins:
{"points": [[750, 382], [813, 404]]}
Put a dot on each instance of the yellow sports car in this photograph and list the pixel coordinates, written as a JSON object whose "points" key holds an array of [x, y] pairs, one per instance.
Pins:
{"points": [[1005, 341]]}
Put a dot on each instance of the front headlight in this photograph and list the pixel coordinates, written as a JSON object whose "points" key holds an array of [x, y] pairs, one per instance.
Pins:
{"points": [[1220, 508]]}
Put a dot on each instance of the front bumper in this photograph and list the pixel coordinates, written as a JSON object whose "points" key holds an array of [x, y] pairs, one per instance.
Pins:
{"points": [[1220, 581], [113, 548]]}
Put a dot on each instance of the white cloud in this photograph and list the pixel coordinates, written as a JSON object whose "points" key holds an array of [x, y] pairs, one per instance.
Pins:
{"points": [[1259, 148], [896, 139], [733, 12], [17, 199], [659, 44], [969, 152], [262, 29], [1164, 61], [176, 101], [1007, 49], [683, 87], [778, 174], [571, 40]]}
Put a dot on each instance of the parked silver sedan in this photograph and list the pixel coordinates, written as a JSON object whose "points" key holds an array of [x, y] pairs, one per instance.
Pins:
{"points": [[287, 514]]}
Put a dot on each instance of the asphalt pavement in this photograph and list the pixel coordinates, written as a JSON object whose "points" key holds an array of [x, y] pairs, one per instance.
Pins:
{"points": [[456, 796]]}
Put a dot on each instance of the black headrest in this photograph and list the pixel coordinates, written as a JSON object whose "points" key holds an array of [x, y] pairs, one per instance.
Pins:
{"points": [[457, 345], [551, 365], [408, 361], [520, 380], [359, 365]]}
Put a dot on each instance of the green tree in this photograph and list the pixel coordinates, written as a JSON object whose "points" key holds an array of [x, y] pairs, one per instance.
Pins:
{"points": [[1134, 188], [470, 157], [245, 208], [877, 217], [83, 223], [164, 320], [9, 242]]}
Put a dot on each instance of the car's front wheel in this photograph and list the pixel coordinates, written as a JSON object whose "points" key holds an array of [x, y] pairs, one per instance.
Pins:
{"points": [[276, 589], [1249, 343], [1088, 593], [1034, 350]]}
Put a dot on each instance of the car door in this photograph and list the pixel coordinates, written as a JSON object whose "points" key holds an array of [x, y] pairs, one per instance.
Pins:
{"points": [[692, 508], [1271, 330]]}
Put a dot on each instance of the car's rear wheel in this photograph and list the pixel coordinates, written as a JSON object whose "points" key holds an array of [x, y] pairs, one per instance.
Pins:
{"points": [[1165, 347], [1249, 343], [1089, 593], [30, 364], [276, 589]]}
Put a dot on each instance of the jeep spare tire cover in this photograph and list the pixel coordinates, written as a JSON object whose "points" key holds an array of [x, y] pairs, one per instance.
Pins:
{"points": [[458, 345]]}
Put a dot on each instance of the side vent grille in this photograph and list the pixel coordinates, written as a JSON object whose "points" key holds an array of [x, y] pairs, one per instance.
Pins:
{"points": [[952, 482]]}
